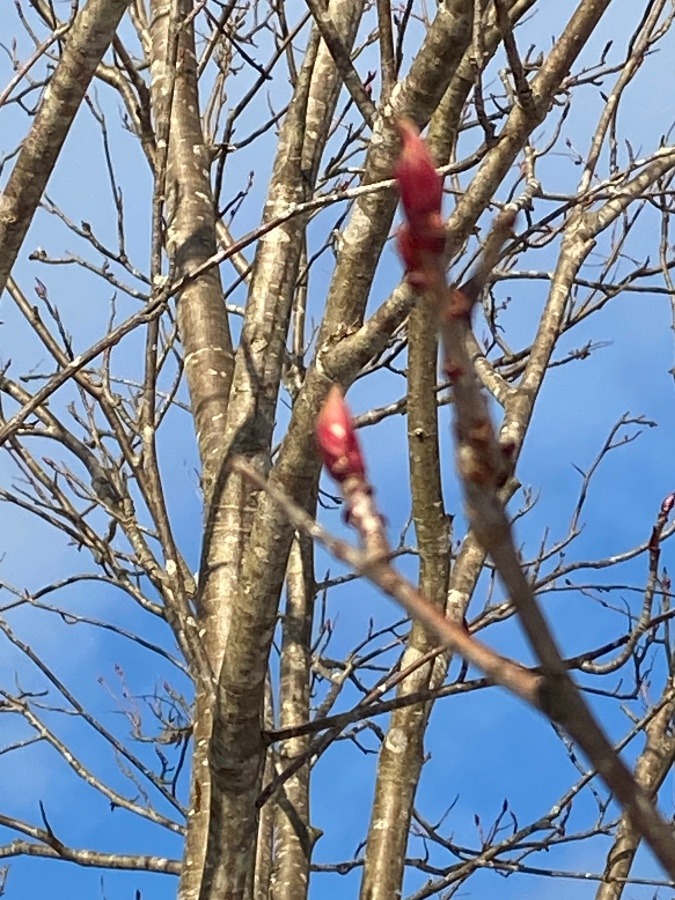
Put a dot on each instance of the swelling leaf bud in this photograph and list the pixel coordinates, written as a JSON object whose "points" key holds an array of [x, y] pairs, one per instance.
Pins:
{"points": [[421, 239], [336, 438], [420, 186]]}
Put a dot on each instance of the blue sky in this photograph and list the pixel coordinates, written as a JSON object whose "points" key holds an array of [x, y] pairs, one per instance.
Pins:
{"points": [[484, 747]]}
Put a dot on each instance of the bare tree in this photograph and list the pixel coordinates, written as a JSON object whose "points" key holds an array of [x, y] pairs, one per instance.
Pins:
{"points": [[197, 201]]}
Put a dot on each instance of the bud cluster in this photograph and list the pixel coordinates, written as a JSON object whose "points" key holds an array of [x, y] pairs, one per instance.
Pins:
{"points": [[421, 239]]}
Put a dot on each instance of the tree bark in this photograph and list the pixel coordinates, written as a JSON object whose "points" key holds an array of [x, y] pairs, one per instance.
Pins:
{"points": [[88, 39]]}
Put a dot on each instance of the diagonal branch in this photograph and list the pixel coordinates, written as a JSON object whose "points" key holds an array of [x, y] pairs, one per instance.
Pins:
{"points": [[50, 847], [88, 39], [483, 465], [342, 60], [377, 568]]}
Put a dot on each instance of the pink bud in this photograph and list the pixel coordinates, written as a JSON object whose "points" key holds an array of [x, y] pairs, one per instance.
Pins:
{"points": [[421, 239], [420, 186], [336, 437]]}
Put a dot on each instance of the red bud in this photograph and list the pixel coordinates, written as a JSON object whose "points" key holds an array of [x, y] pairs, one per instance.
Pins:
{"points": [[421, 239], [337, 439], [420, 186], [407, 248], [415, 245]]}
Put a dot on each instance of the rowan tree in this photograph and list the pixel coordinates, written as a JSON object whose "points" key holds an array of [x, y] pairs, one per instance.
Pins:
{"points": [[206, 692]]}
